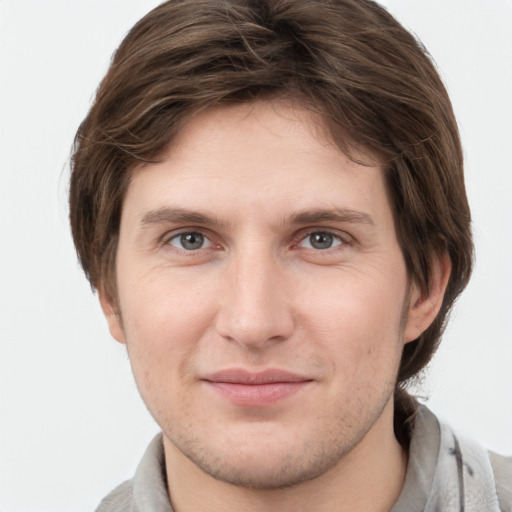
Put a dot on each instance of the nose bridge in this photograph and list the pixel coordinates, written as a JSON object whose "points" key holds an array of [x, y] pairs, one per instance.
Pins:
{"points": [[255, 309]]}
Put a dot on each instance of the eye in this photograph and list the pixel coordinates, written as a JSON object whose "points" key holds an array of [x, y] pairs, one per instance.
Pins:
{"points": [[321, 240], [190, 241]]}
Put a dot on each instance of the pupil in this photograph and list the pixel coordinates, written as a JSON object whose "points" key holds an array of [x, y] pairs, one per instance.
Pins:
{"points": [[321, 240], [192, 241]]}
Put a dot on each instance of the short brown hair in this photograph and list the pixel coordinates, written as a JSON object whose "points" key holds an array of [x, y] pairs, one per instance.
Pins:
{"points": [[349, 60]]}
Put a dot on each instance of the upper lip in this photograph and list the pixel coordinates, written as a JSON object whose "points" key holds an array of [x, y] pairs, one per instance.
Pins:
{"points": [[241, 376]]}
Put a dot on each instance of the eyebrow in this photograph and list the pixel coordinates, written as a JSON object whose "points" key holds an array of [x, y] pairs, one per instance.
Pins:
{"points": [[169, 215], [345, 215]]}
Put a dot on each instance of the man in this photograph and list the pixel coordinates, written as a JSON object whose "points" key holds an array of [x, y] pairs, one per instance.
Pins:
{"points": [[269, 199]]}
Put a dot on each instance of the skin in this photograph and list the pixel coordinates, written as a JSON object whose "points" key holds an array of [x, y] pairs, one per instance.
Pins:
{"points": [[293, 264]]}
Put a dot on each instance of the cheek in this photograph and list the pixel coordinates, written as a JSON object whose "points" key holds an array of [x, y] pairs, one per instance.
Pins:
{"points": [[165, 318], [358, 319], [160, 299], [162, 343]]}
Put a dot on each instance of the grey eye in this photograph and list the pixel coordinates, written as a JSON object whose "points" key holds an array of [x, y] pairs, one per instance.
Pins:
{"points": [[321, 240], [188, 241]]}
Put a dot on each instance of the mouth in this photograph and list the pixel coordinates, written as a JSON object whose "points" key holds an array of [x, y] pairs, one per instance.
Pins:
{"points": [[259, 389]]}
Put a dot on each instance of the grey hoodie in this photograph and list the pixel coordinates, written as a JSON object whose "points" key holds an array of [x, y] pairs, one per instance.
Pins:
{"points": [[445, 473]]}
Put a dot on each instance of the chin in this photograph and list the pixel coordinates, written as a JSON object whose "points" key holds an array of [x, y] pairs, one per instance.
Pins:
{"points": [[268, 474], [268, 463]]}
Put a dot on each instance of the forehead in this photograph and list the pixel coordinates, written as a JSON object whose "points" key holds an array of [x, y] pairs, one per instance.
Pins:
{"points": [[275, 124], [260, 156]]}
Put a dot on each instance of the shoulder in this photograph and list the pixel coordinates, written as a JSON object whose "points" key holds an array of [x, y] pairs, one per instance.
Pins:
{"points": [[502, 467], [118, 500], [449, 472], [147, 490], [483, 477]]}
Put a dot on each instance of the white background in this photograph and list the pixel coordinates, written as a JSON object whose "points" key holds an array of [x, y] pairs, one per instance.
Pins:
{"points": [[71, 422]]}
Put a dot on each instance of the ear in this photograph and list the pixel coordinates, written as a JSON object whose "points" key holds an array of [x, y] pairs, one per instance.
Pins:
{"points": [[424, 307], [113, 316]]}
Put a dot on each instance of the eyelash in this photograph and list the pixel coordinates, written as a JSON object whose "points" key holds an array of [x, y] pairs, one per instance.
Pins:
{"points": [[343, 239], [167, 240]]}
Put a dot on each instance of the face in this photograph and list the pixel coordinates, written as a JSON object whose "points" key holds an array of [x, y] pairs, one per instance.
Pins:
{"points": [[263, 296]]}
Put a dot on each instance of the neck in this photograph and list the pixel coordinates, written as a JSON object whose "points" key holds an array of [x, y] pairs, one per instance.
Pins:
{"points": [[367, 479]]}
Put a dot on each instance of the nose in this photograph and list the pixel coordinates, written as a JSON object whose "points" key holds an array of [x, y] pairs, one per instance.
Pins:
{"points": [[255, 309]]}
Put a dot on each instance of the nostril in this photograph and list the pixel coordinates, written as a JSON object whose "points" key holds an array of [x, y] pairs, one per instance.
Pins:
{"points": [[255, 328]]}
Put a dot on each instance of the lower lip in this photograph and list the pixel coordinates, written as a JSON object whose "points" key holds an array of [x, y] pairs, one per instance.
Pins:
{"points": [[257, 395]]}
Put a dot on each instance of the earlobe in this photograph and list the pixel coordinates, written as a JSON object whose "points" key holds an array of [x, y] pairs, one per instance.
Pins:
{"points": [[111, 312], [424, 307]]}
